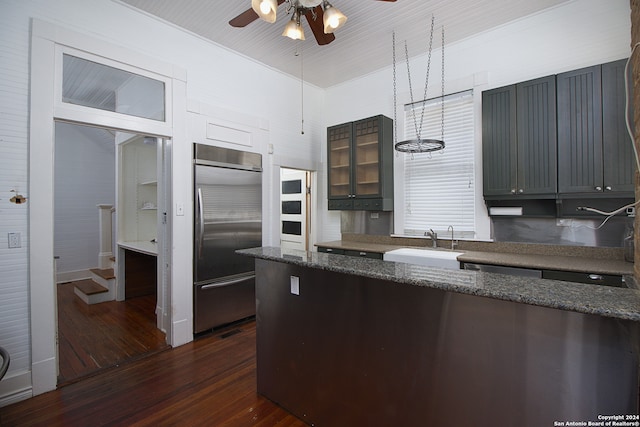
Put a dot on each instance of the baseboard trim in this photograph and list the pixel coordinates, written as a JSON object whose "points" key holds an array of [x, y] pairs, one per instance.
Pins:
{"points": [[72, 276], [15, 388]]}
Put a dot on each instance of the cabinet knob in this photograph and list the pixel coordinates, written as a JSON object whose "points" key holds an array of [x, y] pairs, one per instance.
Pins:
{"points": [[513, 191], [608, 188], [596, 277], [521, 191], [598, 188]]}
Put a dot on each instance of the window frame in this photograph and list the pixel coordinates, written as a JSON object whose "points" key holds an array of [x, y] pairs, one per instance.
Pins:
{"points": [[468, 228]]}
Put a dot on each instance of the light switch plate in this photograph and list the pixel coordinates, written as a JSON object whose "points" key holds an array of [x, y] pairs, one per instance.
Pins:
{"points": [[295, 285], [14, 240]]}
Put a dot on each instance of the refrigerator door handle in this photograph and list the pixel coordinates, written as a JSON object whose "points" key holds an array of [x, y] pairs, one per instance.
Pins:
{"points": [[201, 220], [228, 282]]}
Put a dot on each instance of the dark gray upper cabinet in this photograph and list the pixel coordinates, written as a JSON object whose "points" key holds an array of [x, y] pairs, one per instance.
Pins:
{"points": [[519, 140], [499, 151], [580, 131], [360, 165], [595, 156], [619, 164]]}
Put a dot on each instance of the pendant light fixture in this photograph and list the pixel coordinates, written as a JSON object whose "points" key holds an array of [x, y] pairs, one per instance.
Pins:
{"points": [[323, 17], [333, 18], [293, 29], [266, 9], [419, 144]]}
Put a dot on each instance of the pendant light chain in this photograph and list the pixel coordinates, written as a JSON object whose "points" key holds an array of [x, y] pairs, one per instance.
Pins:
{"points": [[301, 89]]}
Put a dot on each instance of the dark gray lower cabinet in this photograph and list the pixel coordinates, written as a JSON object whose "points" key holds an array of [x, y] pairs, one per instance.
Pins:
{"points": [[362, 254], [330, 250]]}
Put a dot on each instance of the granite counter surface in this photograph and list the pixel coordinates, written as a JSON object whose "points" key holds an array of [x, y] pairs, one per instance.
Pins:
{"points": [[621, 303], [590, 261]]}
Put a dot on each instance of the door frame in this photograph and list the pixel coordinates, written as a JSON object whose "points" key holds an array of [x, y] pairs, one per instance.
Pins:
{"points": [[305, 197], [47, 43]]}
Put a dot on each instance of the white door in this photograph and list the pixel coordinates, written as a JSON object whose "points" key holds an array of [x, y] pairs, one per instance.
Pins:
{"points": [[294, 209]]}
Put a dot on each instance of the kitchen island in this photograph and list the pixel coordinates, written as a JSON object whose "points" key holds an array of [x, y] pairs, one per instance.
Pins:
{"points": [[346, 341]]}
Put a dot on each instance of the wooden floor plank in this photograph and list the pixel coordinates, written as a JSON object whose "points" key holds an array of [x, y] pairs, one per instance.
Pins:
{"points": [[96, 336], [209, 382]]}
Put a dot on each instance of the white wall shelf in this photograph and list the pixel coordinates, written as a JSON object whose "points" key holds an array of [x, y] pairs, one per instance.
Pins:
{"points": [[137, 192]]}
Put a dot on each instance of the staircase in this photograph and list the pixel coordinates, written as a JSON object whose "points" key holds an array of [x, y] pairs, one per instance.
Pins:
{"points": [[99, 288]]}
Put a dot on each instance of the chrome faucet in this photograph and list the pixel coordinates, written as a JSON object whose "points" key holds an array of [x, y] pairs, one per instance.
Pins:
{"points": [[453, 244], [434, 237]]}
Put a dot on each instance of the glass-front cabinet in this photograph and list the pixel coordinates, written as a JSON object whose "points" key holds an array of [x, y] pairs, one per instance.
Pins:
{"points": [[360, 165]]}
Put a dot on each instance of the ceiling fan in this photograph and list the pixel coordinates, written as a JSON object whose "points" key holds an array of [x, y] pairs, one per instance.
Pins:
{"points": [[323, 18]]}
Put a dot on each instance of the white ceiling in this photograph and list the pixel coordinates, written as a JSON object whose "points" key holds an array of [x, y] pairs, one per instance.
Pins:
{"points": [[362, 46]]}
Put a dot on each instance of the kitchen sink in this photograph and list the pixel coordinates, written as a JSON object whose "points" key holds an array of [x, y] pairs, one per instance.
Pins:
{"points": [[425, 257]]}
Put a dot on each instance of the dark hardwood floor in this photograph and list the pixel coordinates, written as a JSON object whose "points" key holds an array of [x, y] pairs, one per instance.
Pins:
{"points": [[98, 336], [208, 382]]}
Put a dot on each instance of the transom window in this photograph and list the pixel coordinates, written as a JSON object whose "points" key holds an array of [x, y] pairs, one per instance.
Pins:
{"points": [[100, 86]]}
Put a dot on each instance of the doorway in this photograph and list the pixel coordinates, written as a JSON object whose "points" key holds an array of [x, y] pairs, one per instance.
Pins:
{"points": [[295, 209], [96, 327], [74, 86]]}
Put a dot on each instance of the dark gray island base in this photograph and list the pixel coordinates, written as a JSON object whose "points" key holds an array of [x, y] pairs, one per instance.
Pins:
{"points": [[363, 342]]}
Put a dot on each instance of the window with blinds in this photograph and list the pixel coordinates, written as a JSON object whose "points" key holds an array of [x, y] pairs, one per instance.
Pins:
{"points": [[440, 186]]}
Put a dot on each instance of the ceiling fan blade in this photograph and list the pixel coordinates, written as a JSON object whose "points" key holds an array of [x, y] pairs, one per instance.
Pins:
{"points": [[244, 19], [317, 26]]}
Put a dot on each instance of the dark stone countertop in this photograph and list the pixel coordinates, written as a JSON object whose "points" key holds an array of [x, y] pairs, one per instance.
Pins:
{"points": [[567, 261], [621, 303]]}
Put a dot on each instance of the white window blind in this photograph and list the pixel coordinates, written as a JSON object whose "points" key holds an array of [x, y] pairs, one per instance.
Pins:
{"points": [[440, 186]]}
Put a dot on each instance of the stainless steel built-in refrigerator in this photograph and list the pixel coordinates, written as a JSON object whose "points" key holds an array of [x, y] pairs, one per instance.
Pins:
{"points": [[228, 216]]}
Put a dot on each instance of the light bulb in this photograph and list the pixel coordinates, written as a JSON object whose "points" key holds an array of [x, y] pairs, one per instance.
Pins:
{"points": [[334, 22], [265, 7]]}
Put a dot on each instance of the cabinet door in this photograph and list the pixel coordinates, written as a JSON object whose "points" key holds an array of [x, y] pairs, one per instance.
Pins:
{"points": [[499, 141], [536, 129], [366, 156], [339, 161], [580, 160], [619, 164]]}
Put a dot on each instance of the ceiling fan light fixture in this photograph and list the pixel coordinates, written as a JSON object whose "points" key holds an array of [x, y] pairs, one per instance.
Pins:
{"points": [[266, 9], [309, 3], [293, 29], [333, 18]]}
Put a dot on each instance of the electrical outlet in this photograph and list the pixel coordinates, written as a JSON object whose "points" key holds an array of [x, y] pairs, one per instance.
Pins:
{"points": [[14, 240], [295, 285]]}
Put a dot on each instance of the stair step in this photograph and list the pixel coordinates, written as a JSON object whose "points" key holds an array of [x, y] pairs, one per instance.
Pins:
{"points": [[89, 287], [106, 273]]}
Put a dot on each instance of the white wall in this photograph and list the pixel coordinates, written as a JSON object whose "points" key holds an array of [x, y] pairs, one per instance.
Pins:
{"points": [[84, 178], [576, 34], [216, 77]]}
